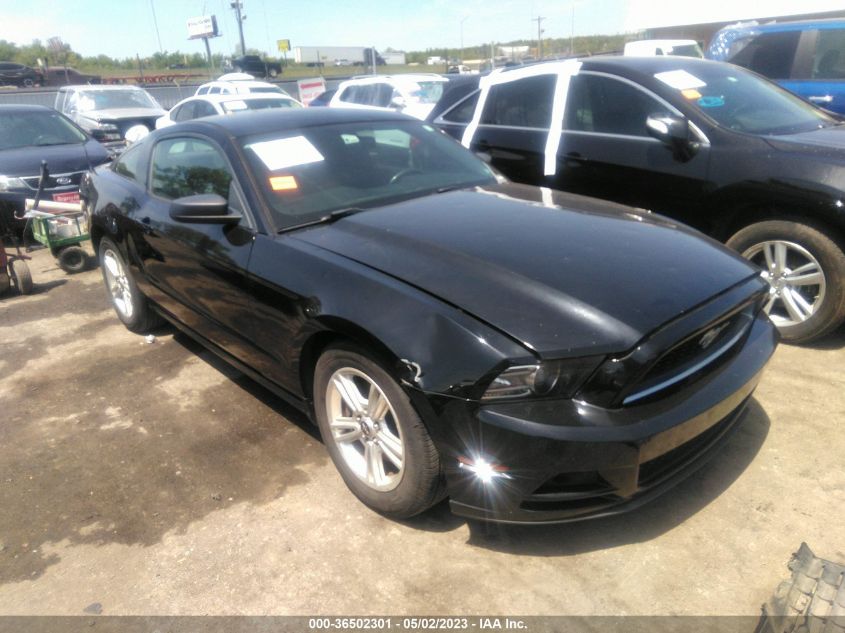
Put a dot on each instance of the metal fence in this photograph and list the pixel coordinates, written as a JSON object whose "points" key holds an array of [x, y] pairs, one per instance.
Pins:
{"points": [[167, 96]]}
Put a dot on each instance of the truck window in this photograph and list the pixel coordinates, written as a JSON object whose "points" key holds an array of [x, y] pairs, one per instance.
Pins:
{"points": [[829, 57], [770, 54]]}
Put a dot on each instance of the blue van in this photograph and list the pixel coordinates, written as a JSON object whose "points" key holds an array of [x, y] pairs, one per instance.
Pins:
{"points": [[806, 57]]}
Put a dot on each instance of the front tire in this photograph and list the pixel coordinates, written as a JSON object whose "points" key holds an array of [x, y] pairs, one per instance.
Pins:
{"points": [[132, 307], [806, 272], [374, 436]]}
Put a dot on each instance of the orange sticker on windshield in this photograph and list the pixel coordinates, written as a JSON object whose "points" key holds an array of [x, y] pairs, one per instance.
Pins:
{"points": [[691, 93], [283, 183]]}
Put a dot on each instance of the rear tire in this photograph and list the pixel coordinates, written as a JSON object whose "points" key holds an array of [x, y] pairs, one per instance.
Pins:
{"points": [[21, 277], [132, 307], [792, 252], [73, 259], [388, 460]]}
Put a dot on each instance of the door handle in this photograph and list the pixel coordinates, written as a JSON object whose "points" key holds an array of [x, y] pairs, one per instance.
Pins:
{"points": [[821, 98], [573, 159]]}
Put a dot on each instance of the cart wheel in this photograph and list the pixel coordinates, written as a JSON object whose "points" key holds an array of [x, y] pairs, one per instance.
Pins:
{"points": [[20, 276], [73, 259]]}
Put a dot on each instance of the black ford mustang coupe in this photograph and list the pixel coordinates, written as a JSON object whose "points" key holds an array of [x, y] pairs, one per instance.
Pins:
{"points": [[535, 356]]}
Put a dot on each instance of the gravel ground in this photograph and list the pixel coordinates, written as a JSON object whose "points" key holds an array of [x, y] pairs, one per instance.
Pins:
{"points": [[151, 478]]}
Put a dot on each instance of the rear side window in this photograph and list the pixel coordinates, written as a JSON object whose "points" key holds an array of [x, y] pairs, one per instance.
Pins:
{"points": [[609, 106], [202, 90], [462, 113], [203, 108], [829, 57], [770, 54], [350, 94], [129, 164], [521, 103], [189, 166], [185, 112]]}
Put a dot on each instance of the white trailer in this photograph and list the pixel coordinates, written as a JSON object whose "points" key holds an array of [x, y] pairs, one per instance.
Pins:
{"points": [[328, 55]]}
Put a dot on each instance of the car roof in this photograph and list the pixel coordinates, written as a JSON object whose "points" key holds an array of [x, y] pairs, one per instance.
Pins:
{"points": [[797, 25], [243, 96], [100, 87], [397, 79], [281, 119], [19, 107], [237, 83]]}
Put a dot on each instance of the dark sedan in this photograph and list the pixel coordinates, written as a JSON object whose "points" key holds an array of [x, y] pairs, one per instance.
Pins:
{"points": [[534, 356], [31, 134], [711, 144]]}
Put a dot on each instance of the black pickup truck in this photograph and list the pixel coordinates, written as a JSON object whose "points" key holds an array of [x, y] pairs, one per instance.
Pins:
{"points": [[256, 66]]}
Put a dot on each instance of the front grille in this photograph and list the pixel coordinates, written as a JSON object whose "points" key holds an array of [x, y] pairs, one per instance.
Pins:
{"points": [[74, 177], [694, 356]]}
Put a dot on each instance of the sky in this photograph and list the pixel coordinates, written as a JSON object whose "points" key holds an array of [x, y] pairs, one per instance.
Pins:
{"points": [[124, 28]]}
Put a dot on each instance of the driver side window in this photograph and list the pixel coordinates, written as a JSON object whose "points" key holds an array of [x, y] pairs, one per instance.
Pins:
{"points": [[189, 166], [608, 106]]}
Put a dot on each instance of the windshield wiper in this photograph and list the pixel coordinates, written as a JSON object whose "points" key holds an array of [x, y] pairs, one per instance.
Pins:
{"points": [[325, 219]]}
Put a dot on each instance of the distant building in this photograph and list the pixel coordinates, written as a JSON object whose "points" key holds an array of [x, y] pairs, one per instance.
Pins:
{"points": [[394, 58]]}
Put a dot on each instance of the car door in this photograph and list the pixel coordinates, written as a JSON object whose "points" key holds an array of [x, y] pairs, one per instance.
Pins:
{"points": [[196, 271], [818, 73], [514, 126], [606, 151]]}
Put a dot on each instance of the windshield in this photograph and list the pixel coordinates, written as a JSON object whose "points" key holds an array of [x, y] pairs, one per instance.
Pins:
{"points": [[25, 129], [90, 100], [686, 50], [265, 89], [742, 101], [245, 103], [306, 174], [428, 91]]}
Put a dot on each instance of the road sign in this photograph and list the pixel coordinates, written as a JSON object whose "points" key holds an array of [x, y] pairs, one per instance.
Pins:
{"points": [[283, 45]]}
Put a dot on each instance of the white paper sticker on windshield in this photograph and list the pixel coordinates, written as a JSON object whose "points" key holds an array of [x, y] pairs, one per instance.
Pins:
{"points": [[286, 152], [680, 80], [235, 105]]}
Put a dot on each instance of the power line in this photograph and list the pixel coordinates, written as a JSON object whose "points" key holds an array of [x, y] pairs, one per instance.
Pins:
{"points": [[155, 23]]}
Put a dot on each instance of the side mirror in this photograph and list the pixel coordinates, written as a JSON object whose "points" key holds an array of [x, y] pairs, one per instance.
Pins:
{"points": [[204, 208], [674, 132], [398, 103]]}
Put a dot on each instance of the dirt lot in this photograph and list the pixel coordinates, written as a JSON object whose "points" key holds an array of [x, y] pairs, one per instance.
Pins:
{"points": [[150, 478]]}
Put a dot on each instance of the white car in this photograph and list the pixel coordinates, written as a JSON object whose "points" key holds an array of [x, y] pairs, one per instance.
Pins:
{"points": [[236, 84], [412, 94], [197, 107], [650, 48]]}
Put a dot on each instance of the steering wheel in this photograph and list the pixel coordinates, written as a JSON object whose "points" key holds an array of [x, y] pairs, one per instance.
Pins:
{"points": [[402, 173]]}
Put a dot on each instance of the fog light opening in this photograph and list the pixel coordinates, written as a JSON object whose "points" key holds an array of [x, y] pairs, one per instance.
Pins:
{"points": [[485, 471]]}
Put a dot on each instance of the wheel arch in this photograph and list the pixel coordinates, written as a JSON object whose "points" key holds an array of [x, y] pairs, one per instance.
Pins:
{"points": [[337, 330]]}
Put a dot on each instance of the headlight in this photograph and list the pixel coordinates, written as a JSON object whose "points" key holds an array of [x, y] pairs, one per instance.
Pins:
{"points": [[559, 378], [136, 133], [7, 183]]}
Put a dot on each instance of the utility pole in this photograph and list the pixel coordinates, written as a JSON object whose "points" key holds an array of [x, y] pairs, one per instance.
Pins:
{"points": [[572, 33], [237, 5], [464, 19], [539, 21]]}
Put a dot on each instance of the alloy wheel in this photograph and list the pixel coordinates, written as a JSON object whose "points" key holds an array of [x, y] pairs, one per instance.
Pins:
{"points": [[365, 429], [118, 284], [796, 281]]}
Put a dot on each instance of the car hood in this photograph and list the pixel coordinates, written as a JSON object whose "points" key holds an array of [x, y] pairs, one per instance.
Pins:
{"points": [[823, 143], [118, 114], [562, 274], [61, 159]]}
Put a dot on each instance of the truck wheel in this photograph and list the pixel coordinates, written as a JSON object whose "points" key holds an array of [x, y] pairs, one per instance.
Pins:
{"points": [[806, 271], [273, 72], [21, 277], [73, 259]]}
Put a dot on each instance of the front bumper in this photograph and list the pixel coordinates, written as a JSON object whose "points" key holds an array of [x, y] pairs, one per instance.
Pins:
{"points": [[569, 461]]}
